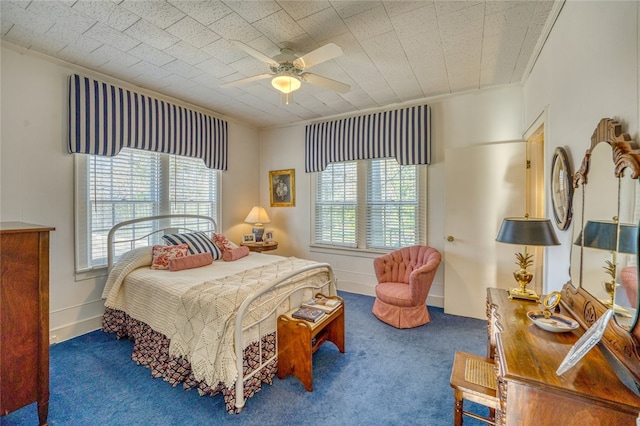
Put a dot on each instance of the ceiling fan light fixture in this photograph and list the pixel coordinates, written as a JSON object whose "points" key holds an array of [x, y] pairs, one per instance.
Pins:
{"points": [[286, 82]]}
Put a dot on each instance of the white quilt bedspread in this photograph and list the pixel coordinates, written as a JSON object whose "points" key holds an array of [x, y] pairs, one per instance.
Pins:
{"points": [[152, 296], [204, 327], [196, 308]]}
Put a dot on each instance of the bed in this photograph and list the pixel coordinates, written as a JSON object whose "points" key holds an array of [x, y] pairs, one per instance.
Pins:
{"points": [[210, 327]]}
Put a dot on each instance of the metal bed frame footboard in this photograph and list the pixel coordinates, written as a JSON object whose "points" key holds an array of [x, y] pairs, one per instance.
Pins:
{"points": [[245, 305]]}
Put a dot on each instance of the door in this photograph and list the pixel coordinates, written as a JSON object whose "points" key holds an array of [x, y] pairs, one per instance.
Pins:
{"points": [[535, 200], [483, 184]]}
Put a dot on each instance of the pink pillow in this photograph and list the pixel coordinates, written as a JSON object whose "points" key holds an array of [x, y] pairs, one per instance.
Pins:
{"points": [[163, 254], [190, 262], [235, 254], [222, 242]]}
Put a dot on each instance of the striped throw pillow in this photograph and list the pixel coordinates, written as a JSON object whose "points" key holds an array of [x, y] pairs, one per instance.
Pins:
{"points": [[198, 242]]}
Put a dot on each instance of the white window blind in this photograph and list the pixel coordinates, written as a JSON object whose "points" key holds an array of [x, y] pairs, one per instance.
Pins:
{"points": [[336, 205], [131, 185], [393, 208], [193, 188], [370, 205]]}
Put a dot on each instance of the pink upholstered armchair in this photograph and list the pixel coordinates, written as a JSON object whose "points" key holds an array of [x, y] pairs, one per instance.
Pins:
{"points": [[629, 278], [404, 280]]}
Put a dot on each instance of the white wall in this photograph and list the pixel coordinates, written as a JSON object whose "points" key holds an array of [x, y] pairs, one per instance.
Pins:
{"points": [[36, 178], [462, 120], [588, 70]]}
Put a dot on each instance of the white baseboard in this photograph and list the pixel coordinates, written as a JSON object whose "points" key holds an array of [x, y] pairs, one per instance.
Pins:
{"points": [[70, 331], [357, 288], [437, 301]]}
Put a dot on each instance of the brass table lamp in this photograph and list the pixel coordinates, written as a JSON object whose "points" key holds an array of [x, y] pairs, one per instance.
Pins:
{"points": [[526, 231]]}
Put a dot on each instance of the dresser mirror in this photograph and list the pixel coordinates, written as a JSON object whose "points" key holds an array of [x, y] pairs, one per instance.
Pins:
{"points": [[597, 237], [605, 239]]}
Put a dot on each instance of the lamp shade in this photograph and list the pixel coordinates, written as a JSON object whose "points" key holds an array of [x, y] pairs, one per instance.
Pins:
{"points": [[286, 82], [527, 232], [257, 215], [628, 239], [610, 236]]}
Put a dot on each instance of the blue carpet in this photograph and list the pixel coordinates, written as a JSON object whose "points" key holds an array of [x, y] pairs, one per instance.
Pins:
{"points": [[386, 377]]}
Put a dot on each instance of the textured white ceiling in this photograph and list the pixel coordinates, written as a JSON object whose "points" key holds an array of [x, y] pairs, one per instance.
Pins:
{"points": [[394, 51]]}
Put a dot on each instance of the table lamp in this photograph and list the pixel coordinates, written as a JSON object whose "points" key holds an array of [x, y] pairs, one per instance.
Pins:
{"points": [[611, 236], [526, 231], [258, 217]]}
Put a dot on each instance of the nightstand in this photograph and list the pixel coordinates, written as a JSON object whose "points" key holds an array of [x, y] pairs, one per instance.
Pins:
{"points": [[260, 247]]}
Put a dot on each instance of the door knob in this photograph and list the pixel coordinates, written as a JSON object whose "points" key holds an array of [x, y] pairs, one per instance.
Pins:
{"points": [[450, 238]]}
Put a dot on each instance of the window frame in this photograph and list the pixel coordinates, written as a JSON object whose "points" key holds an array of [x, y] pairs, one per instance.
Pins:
{"points": [[361, 248], [82, 204]]}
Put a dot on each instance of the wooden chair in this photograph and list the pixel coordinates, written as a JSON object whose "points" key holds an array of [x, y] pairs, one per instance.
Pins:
{"points": [[473, 378]]}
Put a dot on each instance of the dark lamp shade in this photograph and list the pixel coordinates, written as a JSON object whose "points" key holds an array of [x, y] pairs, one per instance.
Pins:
{"points": [[527, 232], [628, 239], [610, 236]]}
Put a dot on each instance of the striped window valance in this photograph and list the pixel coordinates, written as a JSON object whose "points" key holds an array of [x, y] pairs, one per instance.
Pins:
{"points": [[402, 133], [104, 118]]}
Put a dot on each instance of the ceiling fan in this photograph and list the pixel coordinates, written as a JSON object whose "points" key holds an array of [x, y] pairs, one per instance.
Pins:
{"points": [[288, 71]]}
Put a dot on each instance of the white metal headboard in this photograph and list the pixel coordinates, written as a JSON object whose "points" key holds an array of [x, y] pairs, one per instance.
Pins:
{"points": [[170, 226]]}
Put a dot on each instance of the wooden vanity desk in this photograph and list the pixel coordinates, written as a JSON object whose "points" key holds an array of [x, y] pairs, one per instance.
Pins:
{"points": [[527, 358]]}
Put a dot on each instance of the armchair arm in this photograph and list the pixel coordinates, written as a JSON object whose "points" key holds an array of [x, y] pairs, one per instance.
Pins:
{"points": [[382, 273], [421, 278]]}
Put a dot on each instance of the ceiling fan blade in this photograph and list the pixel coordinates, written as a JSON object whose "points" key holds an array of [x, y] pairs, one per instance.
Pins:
{"points": [[321, 54], [253, 52], [325, 82], [246, 80]]}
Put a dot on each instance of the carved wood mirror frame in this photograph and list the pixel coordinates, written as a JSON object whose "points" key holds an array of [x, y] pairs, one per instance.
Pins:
{"points": [[624, 344]]}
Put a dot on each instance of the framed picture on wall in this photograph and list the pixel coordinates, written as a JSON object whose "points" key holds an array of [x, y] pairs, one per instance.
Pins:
{"points": [[282, 188]]}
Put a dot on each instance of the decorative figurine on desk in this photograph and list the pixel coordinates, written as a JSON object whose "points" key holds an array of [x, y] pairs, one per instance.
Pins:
{"points": [[523, 277]]}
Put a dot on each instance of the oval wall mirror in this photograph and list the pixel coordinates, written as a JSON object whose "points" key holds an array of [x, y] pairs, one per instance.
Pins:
{"points": [[561, 188]]}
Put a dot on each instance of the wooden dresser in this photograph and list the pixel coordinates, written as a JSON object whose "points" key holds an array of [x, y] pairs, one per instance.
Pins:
{"points": [[24, 317], [526, 360]]}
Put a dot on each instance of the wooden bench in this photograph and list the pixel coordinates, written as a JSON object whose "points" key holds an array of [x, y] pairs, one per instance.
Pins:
{"points": [[298, 340]]}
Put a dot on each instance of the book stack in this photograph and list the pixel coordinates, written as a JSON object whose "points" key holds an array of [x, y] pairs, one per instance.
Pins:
{"points": [[308, 314], [323, 303]]}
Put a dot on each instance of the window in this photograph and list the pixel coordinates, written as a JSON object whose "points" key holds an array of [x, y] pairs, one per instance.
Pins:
{"points": [[337, 204], [370, 204], [131, 185]]}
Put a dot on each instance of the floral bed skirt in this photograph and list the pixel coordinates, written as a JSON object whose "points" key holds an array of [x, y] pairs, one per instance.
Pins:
{"points": [[151, 349]]}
